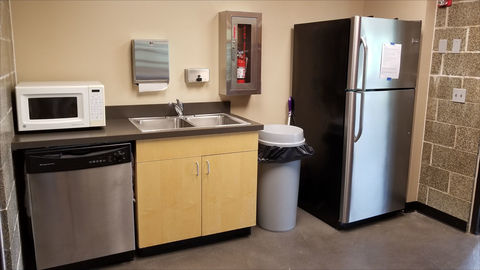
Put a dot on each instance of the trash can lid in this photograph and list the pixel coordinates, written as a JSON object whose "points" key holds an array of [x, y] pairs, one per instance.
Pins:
{"points": [[281, 136]]}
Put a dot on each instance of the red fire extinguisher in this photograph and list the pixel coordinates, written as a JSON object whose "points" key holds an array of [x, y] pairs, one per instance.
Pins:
{"points": [[242, 59], [241, 67], [444, 3]]}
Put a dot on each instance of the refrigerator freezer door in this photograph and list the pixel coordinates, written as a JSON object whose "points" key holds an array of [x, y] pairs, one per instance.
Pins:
{"points": [[376, 166], [378, 33]]}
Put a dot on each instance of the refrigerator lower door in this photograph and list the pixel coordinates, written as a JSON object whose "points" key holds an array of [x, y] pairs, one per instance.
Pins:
{"points": [[376, 166]]}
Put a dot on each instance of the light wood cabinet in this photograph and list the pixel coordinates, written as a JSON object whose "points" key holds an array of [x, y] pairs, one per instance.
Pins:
{"points": [[194, 186], [229, 191], [168, 200]]}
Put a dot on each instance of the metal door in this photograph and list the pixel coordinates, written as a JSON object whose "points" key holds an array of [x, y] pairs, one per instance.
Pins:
{"points": [[81, 214], [375, 33], [376, 165]]}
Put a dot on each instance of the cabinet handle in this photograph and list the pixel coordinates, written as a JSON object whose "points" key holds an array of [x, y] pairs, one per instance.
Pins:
{"points": [[208, 167], [196, 163]]}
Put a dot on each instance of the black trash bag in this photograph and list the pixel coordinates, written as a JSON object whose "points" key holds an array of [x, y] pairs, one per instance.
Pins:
{"points": [[270, 154]]}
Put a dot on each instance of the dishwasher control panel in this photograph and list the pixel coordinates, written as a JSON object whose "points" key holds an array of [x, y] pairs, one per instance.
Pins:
{"points": [[77, 158], [119, 156]]}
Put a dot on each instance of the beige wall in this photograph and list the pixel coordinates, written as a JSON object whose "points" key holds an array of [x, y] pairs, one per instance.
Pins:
{"points": [[90, 40], [413, 10]]}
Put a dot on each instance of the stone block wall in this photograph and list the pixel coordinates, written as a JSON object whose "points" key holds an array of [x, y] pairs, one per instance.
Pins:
{"points": [[452, 130], [8, 199]]}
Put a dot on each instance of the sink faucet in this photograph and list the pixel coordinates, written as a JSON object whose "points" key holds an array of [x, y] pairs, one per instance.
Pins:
{"points": [[178, 107]]}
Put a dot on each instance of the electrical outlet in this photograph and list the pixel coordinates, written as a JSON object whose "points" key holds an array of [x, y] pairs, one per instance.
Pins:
{"points": [[458, 95], [456, 45], [442, 46]]}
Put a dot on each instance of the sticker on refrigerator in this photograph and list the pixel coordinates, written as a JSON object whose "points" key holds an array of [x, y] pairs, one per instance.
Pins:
{"points": [[390, 65]]}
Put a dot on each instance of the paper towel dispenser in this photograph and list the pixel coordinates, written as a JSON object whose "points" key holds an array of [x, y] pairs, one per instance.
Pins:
{"points": [[150, 62]]}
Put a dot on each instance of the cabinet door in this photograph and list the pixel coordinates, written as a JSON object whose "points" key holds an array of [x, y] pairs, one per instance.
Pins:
{"points": [[168, 201], [229, 191]]}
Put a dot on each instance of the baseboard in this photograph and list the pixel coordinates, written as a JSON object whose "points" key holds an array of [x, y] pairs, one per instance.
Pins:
{"points": [[411, 206], [436, 214], [193, 242]]}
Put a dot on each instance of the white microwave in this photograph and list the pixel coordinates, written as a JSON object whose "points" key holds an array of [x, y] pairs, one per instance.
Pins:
{"points": [[59, 105]]}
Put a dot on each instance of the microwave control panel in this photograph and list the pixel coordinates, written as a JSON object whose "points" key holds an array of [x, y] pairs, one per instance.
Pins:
{"points": [[97, 106]]}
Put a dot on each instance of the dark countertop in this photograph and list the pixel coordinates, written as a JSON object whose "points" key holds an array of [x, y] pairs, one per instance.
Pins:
{"points": [[116, 130], [119, 129]]}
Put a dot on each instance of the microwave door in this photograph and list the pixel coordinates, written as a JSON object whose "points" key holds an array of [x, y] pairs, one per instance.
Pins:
{"points": [[45, 108], [54, 111]]}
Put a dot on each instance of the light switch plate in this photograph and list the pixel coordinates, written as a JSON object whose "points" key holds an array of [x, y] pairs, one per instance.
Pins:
{"points": [[459, 94], [456, 45], [442, 45]]}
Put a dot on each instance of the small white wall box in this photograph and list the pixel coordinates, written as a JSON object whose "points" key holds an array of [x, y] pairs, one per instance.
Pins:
{"points": [[459, 94], [197, 75]]}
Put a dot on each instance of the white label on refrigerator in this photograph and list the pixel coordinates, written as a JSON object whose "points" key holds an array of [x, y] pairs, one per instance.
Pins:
{"points": [[391, 56]]}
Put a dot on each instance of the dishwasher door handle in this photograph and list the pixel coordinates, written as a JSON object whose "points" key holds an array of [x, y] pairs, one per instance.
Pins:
{"points": [[73, 154]]}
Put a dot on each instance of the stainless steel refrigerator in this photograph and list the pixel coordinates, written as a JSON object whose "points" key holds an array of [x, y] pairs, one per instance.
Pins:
{"points": [[354, 85]]}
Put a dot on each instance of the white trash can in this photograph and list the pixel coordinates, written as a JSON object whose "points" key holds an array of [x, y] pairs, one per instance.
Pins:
{"points": [[278, 182]]}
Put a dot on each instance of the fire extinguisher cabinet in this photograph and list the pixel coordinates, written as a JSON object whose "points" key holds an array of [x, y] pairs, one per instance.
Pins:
{"points": [[240, 53]]}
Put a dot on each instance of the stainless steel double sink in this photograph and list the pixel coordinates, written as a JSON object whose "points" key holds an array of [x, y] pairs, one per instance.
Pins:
{"points": [[154, 124]]}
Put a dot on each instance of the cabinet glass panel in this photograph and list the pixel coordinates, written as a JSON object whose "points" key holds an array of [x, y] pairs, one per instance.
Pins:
{"points": [[242, 34]]}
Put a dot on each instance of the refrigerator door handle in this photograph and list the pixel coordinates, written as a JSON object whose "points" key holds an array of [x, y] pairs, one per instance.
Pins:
{"points": [[362, 91]]}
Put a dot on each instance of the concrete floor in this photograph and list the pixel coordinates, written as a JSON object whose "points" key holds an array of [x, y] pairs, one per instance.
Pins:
{"points": [[409, 241]]}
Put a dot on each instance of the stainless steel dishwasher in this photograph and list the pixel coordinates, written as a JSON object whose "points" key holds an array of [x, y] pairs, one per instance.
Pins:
{"points": [[80, 203]]}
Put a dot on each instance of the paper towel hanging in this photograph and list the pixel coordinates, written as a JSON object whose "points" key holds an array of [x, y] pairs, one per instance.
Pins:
{"points": [[150, 64]]}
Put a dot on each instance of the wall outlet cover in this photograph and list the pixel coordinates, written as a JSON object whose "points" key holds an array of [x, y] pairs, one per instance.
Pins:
{"points": [[456, 45], [458, 95], [442, 45]]}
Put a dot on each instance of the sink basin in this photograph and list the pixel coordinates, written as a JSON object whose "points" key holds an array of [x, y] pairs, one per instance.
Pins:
{"points": [[215, 120], [149, 124], [152, 124]]}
